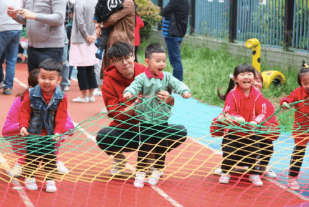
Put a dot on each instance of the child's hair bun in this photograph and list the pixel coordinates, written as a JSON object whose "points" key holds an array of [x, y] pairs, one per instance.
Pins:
{"points": [[304, 65]]}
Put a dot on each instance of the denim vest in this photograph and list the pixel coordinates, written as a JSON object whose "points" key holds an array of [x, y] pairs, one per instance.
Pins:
{"points": [[43, 115]]}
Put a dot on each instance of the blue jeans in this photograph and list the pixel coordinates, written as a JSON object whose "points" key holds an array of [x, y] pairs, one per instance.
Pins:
{"points": [[1, 68], [9, 42], [65, 67], [38, 55], [173, 49]]}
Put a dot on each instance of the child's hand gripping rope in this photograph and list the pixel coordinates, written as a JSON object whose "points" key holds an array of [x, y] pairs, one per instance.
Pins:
{"points": [[56, 137]]}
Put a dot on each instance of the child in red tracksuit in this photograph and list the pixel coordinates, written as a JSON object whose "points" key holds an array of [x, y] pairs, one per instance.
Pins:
{"points": [[244, 109], [301, 124], [268, 133]]}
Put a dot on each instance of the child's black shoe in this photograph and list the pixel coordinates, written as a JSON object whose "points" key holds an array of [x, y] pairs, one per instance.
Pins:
{"points": [[99, 54]]}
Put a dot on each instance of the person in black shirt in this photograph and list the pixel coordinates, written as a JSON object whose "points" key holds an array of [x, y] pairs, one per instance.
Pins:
{"points": [[103, 10]]}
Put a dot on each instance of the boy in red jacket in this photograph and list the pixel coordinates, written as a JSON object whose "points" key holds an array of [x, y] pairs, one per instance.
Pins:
{"points": [[43, 114]]}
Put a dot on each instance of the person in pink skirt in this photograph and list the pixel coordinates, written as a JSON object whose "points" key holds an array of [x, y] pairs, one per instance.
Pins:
{"points": [[82, 49], [11, 131]]}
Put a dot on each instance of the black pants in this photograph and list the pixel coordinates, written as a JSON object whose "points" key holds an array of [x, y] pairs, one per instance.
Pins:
{"points": [[156, 139], [86, 78], [48, 162], [297, 160], [239, 150], [136, 48], [38, 55], [266, 152], [117, 140]]}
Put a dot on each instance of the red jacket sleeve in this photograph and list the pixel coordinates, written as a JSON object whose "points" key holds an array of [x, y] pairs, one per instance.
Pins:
{"points": [[230, 106], [61, 116], [112, 102], [260, 110], [25, 112], [291, 98]]}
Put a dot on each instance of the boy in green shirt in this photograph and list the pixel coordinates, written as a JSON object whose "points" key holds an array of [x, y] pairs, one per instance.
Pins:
{"points": [[153, 113]]}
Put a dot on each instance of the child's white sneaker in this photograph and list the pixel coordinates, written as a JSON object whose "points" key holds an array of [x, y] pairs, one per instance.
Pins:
{"points": [[270, 173], [118, 165], [50, 186], [61, 168], [16, 171], [31, 184], [217, 171], [155, 176], [255, 179], [225, 178], [293, 184], [139, 179]]}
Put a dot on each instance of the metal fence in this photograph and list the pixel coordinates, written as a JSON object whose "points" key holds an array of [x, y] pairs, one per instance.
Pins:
{"points": [[261, 19]]}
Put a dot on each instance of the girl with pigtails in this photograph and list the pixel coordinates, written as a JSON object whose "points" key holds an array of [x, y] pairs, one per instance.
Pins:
{"points": [[244, 108]]}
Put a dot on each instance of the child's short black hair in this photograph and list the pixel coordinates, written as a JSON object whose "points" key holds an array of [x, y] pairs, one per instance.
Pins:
{"points": [[305, 69], [51, 65], [120, 49], [153, 48]]}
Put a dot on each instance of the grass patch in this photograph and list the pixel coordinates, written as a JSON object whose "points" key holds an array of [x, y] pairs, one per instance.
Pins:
{"points": [[206, 70]]}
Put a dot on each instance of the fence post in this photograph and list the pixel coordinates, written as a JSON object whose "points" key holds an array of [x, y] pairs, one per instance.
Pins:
{"points": [[288, 23], [192, 17], [160, 4], [233, 20]]}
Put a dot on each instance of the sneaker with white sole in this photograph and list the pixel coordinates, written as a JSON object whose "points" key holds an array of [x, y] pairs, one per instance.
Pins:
{"points": [[30, 184], [81, 100], [293, 184], [225, 178], [16, 171], [217, 171], [154, 177], [118, 165], [255, 179], [66, 88], [61, 168], [51, 186], [97, 92], [91, 99], [139, 179], [270, 174]]}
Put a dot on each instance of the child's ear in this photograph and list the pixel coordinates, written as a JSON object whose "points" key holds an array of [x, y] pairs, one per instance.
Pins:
{"points": [[147, 61], [59, 79]]}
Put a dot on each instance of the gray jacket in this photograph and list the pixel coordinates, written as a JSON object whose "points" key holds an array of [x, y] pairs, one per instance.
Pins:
{"points": [[47, 30], [82, 20]]}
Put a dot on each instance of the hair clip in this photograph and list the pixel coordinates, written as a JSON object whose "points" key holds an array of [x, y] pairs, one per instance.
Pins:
{"points": [[304, 64], [231, 77]]}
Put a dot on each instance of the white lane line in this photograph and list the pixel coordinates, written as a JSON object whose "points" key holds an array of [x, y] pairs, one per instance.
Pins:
{"points": [[273, 181], [16, 183], [132, 169], [217, 152]]}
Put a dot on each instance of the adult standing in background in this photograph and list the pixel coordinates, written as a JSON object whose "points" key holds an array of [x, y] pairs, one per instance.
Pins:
{"points": [[82, 49], [175, 23], [10, 32], [44, 20], [123, 22]]}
